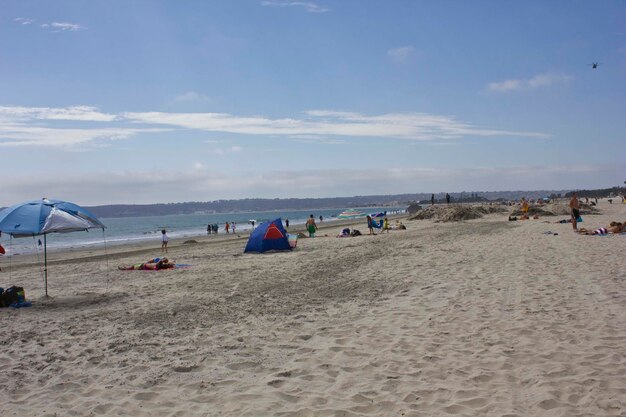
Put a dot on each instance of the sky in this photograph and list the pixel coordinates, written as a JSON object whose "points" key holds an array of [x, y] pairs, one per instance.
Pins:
{"points": [[111, 102]]}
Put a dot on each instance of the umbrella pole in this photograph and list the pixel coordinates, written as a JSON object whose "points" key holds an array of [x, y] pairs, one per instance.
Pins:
{"points": [[45, 263]]}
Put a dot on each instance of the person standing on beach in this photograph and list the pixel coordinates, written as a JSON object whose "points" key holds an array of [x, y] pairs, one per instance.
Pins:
{"points": [[286, 223], [164, 240], [574, 206], [227, 227], [432, 199], [311, 227], [370, 224], [208, 229], [447, 198], [234, 226], [2, 251], [524, 208], [321, 219]]}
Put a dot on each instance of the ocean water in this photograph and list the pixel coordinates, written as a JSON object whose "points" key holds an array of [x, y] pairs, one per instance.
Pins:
{"points": [[127, 230]]}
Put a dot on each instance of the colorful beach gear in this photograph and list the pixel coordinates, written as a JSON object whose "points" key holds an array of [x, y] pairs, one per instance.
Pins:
{"points": [[268, 236]]}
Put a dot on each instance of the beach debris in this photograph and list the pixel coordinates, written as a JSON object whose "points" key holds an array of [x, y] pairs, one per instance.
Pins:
{"points": [[190, 242]]}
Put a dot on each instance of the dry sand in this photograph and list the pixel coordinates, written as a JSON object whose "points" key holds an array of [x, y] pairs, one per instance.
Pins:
{"points": [[479, 318]]}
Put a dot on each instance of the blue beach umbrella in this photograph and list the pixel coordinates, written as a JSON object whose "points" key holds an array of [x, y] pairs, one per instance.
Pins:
{"points": [[40, 217]]}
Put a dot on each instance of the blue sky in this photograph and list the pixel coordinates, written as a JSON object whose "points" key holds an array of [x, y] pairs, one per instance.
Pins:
{"points": [[167, 101]]}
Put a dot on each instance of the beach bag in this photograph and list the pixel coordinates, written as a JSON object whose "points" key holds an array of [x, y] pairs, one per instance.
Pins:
{"points": [[355, 233], [12, 295]]}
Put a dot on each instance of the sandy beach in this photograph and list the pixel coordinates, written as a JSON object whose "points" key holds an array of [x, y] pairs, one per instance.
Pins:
{"points": [[477, 318]]}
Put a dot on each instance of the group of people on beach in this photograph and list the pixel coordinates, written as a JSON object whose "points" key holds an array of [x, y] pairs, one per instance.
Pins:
{"points": [[613, 227], [574, 207], [228, 227]]}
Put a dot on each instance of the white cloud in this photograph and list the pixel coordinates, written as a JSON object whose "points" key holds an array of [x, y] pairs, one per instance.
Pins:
{"points": [[412, 126], [310, 7], [190, 96], [549, 79], [63, 27], [48, 126], [79, 113], [401, 54], [68, 126], [541, 80], [24, 20], [27, 135], [507, 85], [224, 151]]}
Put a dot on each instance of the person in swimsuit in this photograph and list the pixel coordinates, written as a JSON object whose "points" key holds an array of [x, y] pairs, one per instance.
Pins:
{"points": [[574, 206], [614, 227], [311, 227], [151, 265]]}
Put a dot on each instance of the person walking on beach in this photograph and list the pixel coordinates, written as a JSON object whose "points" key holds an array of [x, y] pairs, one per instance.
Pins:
{"points": [[164, 240], [386, 225], [447, 198], [574, 206], [311, 227], [227, 227]]}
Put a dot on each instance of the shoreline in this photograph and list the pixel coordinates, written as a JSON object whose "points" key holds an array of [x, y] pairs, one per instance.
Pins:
{"points": [[60, 256]]}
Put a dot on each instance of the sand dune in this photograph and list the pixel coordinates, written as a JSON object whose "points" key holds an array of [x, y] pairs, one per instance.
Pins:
{"points": [[479, 318]]}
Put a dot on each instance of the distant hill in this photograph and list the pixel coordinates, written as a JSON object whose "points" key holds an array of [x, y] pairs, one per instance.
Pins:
{"points": [[265, 204], [601, 193], [272, 204]]}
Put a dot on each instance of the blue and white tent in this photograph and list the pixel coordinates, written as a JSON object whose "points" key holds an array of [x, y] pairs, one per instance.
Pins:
{"points": [[268, 236]]}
